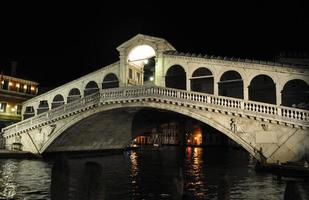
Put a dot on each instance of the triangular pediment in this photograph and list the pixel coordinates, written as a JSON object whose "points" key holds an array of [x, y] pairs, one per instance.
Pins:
{"points": [[159, 44]]}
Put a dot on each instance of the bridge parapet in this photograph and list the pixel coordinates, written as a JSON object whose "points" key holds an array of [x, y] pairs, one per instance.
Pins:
{"points": [[255, 110]]}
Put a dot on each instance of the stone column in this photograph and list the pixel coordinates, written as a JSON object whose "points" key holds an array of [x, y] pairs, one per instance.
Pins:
{"points": [[122, 70], [246, 90], [278, 94], [188, 83], [216, 86], [159, 70]]}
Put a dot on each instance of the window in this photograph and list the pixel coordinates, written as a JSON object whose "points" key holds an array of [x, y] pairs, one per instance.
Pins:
{"points": [[28, 90], [18, 110], [5, 84], [138, 77], [3, 106], [21, 88], [130, 74]]}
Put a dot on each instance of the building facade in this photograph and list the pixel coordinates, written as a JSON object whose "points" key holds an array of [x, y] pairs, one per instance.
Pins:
{"points": [[14, 91]]}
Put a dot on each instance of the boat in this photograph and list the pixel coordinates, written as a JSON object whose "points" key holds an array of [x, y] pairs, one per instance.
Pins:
{"points": [[156, 145]]}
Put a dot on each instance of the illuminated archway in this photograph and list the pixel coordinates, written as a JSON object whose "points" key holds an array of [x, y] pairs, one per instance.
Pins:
{"points": [[141, 68]]}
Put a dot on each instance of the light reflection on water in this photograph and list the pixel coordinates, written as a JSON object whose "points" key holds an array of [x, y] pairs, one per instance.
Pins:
{"points": [[24, 179], [165, 173]]}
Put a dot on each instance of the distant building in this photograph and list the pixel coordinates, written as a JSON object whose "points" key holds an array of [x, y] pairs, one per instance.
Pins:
{"points": [[170, 133], [14, 91]]}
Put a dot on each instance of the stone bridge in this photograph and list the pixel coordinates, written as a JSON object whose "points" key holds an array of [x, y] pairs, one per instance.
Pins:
{"points": [[260, 105]]}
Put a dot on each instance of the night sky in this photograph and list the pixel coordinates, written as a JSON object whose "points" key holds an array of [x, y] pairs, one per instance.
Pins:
{"points": [[56, 43]]}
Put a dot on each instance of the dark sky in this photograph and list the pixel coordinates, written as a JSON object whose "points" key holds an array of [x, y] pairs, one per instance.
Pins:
{"points": [[56, 43]]}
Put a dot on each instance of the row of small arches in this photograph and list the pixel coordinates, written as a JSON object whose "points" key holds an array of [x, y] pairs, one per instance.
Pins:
{"points": [[109, 81], [262, 88]]}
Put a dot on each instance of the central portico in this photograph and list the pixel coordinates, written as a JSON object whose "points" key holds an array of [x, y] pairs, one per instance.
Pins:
{"points": [[141, 60]]}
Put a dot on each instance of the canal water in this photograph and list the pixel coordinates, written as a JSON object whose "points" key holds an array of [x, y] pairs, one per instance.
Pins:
{"points": [[147, 173]]}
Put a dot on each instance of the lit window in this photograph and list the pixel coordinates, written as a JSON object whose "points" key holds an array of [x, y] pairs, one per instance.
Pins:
{"points": [[138, 77], [32, 88], [10, 83], [18, 107], [130, 73], [17, 85], [3, 106]]}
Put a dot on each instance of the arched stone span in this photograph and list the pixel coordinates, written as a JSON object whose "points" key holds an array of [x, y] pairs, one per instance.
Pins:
{"points": [[110, 81], [102, 129], [231, 85], [176, 77], [295, 93], [91, 88], [202, 80], [73, 95], [58, 100], [262, 88]]}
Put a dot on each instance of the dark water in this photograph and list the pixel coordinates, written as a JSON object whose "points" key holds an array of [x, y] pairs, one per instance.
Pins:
{"points": [[165, 173]]}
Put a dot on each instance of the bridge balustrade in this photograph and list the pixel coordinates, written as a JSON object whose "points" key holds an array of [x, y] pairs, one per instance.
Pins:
{"points": [[255, 109]]}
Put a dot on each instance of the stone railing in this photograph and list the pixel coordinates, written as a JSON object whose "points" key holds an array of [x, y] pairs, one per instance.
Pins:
{"points": [[250, 108], [52, 114]]}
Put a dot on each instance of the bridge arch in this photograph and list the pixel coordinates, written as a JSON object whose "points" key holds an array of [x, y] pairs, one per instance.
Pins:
{"points": [[176, 77], [139, 105], [262, 88], [141, 63], [29, 112], [295, 93], [202, 80], [58, 100], [231, 84], [110, 81], [91, 88], [73, 95], [43, 106]]}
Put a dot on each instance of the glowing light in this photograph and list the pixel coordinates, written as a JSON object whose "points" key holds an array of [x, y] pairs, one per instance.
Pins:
{"points": [[32, 88], [13, 109], [2, 82], [25, 86], [151, 78], [17, 85], [139, 55], [141, 52], [10, 83]]}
